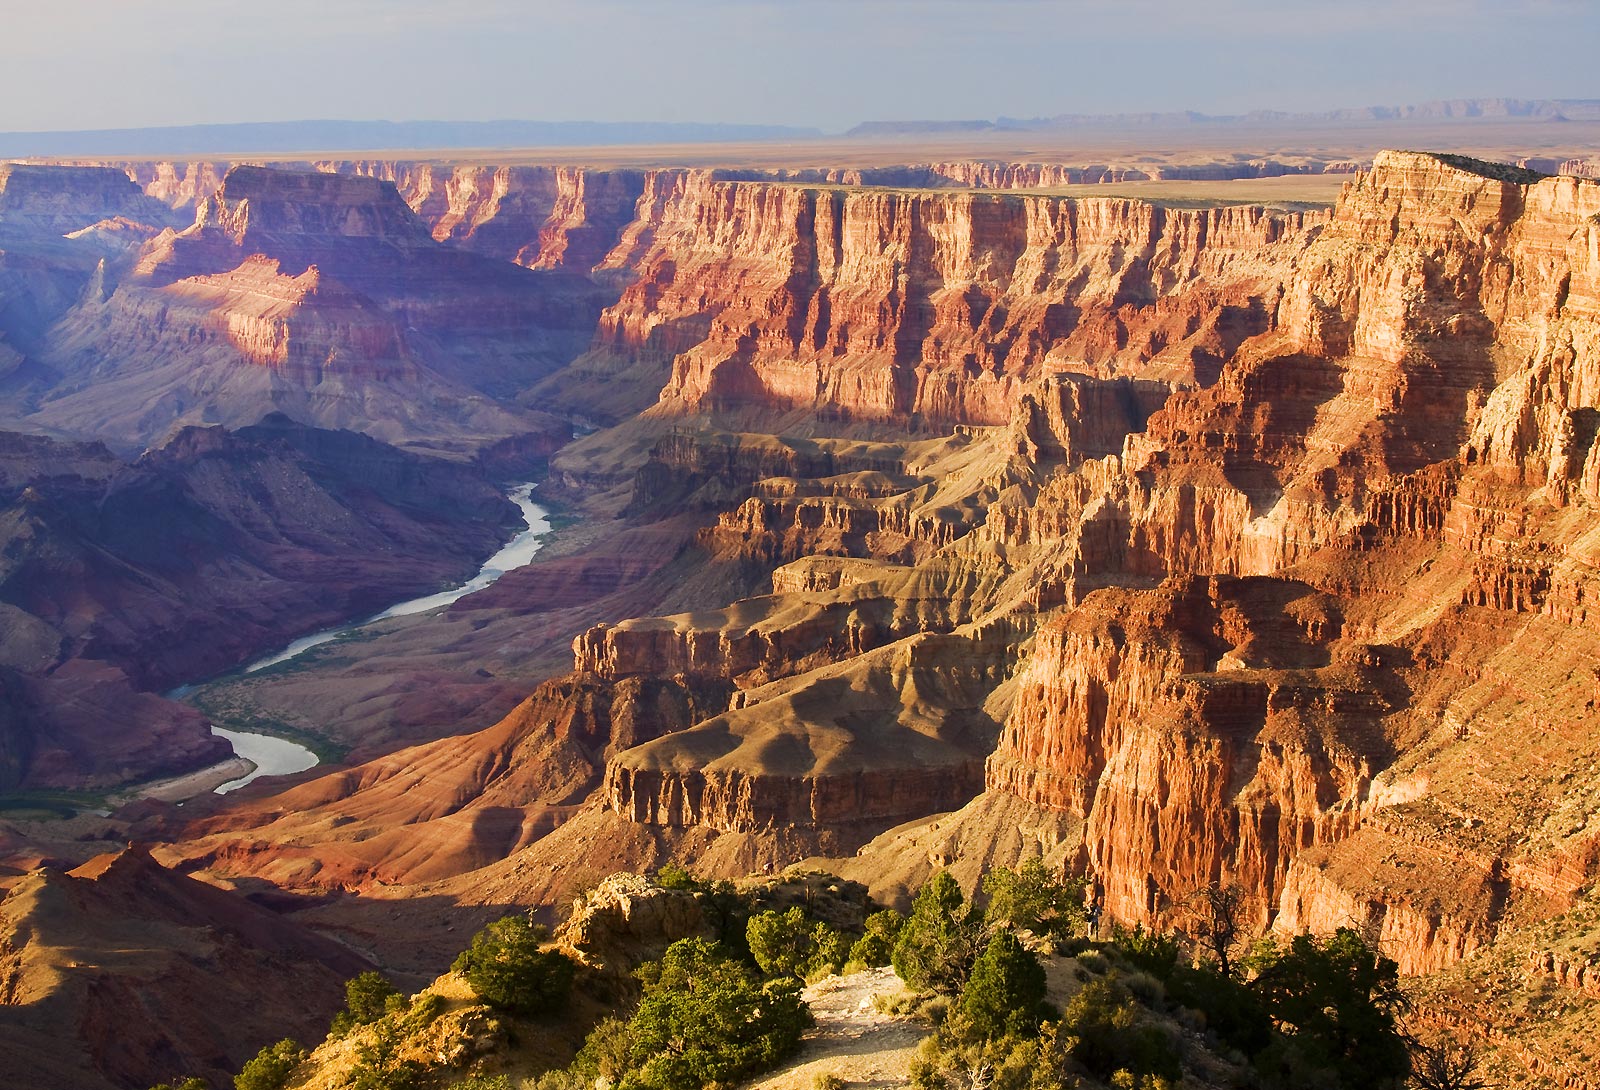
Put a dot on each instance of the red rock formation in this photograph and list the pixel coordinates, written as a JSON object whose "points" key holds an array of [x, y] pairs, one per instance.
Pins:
{"points": [[834, 755], [902, 307], [1202, 731], [1420, 413]]}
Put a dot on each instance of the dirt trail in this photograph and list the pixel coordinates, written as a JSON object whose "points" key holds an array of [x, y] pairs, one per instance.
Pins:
{"points": [[851, 1039]]}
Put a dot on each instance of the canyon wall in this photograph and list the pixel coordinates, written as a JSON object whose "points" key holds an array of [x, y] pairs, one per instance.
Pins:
{"points": [[927, 309], [1411, 439], [1234, 546]]}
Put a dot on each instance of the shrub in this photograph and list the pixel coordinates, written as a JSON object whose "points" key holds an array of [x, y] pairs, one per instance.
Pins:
{"points": [[1447, 1065], [781, 942], [830, 950], [705, 1018], [672, 876], [788, 944], [378, 1064], [424, 1010], [505, 966], [1232, 1011], [271, 1068], [605, 1052], [1336, 1000], [1032, 897], [876, 945], [826, 1080], [948, 1061], [1155, 954], [366, 1000], [939, 942], [1110, 1035], [1005, 994]]}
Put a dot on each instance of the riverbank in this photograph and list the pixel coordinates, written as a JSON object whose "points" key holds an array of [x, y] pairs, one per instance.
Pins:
{"points": [[190, 784]]}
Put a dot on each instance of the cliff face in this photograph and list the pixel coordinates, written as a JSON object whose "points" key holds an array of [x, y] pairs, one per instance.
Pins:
{"points": [[1410, 441], [931, 307], [539, 217], [1210, 730]]}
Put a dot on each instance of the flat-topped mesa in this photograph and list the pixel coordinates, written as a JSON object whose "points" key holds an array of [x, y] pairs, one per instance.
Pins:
{"points": [[345, 224], [260, 201], [57, 200]]}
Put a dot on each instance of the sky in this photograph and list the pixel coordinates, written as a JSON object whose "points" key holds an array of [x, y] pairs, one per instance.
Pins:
{"points": [[91, 64]]}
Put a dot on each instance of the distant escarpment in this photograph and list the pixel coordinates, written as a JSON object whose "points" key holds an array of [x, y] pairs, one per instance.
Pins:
{"points": [[120, 579], [321, 296]]}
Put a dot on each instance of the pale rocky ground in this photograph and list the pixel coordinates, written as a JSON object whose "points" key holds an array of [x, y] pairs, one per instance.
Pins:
{"points": [[852, 1039]]}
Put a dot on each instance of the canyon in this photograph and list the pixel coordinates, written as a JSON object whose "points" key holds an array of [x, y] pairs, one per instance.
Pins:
{"points": [[914, 521]]}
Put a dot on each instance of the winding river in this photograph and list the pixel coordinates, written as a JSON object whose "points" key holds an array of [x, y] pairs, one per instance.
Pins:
{"points": [[274, 756]]}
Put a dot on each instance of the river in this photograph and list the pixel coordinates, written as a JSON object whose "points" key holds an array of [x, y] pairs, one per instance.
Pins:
{"points": [[274, 756]]}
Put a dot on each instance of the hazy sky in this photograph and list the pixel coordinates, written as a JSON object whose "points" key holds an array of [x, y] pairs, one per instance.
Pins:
{"points": [[78, 64]]}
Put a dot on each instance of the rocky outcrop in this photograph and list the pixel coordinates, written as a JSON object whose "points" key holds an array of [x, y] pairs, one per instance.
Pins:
{"points": [[627, 919], [833, 755]]}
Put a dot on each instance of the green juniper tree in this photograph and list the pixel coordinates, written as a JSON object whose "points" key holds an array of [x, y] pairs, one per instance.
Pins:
{"points": [[941, 938]]}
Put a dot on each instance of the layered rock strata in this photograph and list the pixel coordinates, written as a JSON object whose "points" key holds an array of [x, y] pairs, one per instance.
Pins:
{"points": [[1408, 440]]}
